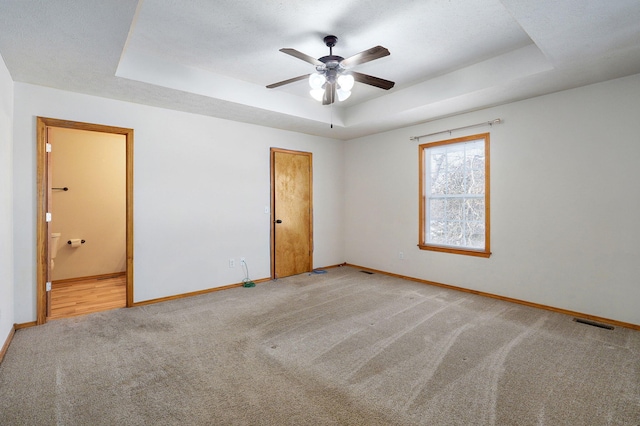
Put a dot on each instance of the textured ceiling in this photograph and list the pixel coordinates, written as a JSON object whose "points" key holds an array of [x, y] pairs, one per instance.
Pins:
{"points": [[216, 57]]}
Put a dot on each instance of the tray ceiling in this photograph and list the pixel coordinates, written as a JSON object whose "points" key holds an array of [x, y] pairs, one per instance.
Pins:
{"points": [[215, 58]]}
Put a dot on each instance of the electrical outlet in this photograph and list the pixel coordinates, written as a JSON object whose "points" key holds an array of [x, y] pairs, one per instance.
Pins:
{"points": [[232, 263], [242, 260], [401, 255]]}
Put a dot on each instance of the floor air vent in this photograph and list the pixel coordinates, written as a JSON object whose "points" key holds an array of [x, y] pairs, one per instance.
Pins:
{"points": [[593, 323], [367, 272]]}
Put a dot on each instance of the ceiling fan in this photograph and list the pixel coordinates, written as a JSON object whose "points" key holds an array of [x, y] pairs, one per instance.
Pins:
{"points": [[333, 77]]}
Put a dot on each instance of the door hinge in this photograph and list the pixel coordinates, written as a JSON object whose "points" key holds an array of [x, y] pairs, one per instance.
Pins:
{"points": [[48, 286], [47, 217], [48, 147]]}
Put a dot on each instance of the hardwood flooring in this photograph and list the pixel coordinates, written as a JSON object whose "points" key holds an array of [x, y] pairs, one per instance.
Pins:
{"points": [[84, 296]]}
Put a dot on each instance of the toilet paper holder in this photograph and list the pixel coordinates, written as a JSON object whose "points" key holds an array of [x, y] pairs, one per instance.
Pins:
{"points": [[81, 242]]}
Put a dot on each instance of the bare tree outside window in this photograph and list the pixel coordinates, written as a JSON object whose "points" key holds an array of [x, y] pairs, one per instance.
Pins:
{"points": [[454, 190]]}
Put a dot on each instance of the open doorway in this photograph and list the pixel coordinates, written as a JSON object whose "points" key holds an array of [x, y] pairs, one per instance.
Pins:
{"points": [[88, 253]]}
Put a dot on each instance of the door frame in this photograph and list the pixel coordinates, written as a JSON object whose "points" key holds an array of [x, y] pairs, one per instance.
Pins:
{"points": [[273, 205], [44, 185]]}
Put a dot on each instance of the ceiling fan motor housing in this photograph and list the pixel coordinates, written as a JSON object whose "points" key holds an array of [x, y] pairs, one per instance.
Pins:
{"points": [[331, 67]]}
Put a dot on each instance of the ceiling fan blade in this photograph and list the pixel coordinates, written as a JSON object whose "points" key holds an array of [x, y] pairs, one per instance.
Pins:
{"points": [[291, 80], [366, 56], [297, 54], [329, 94], [372, 81]]}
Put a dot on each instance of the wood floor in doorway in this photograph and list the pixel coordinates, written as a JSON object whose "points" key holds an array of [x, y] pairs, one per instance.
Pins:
{"points": [[93, 294]]}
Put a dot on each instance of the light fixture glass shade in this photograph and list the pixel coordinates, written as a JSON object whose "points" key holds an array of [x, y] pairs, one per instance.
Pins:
{"points": [[317, 94], [345, 81], [316, 80], [343, 95]]}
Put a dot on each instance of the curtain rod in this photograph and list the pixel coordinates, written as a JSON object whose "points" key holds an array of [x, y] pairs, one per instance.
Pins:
{"points": [[484, 123]]}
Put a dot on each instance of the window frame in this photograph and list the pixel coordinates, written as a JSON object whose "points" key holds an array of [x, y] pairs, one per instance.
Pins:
{"points": [[422, 201]]}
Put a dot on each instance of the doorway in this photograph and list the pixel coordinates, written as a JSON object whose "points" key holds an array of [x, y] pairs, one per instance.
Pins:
{"points": [[291, 213], [47, 128]]}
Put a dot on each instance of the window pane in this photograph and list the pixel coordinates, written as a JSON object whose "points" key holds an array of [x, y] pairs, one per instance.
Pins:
{"points": [[454, 209], [475, 161], [474, 234], [454, 234], [437, 210], [474, 209], [455, 172], [436, 233], [438, 167]]}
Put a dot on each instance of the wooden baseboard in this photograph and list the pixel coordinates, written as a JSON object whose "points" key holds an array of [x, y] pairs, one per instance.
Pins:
{"points": [[507, 299], [331, 266], [25, 325], [69, 281], [7, 342], [195, 293], [211, 290], [433, 283]]}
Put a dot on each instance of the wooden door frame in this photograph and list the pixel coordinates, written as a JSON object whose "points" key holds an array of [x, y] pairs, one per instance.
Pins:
{"points": [[42, 248], [273, 205]]}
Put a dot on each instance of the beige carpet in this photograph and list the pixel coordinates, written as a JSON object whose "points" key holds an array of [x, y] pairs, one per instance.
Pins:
{"points": [[341, 348]]}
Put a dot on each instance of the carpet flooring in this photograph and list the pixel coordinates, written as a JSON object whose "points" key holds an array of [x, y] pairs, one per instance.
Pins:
{"points": [[341, 348]]}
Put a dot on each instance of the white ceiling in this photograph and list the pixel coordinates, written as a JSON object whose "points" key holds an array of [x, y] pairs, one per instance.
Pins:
{"points": [[216, 57]]}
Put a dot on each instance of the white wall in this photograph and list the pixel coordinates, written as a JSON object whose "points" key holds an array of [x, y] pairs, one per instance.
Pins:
{"points": [[565, 201], [564, 198], [6, 203], [200, 188]]}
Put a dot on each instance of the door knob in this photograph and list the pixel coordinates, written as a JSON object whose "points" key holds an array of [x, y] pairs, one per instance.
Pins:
{"points": [[278, 221]]}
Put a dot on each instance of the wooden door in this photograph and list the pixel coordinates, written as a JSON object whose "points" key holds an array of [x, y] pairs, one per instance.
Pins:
{"points": [[291, 208]]}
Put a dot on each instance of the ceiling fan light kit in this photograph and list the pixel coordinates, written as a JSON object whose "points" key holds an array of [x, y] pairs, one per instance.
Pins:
{"points": [[332, 78], [317, 80], [346, 82], [317, 94]]}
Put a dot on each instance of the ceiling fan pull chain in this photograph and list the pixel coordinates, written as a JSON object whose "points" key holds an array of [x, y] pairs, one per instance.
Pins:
{"points": [[331, 117]]}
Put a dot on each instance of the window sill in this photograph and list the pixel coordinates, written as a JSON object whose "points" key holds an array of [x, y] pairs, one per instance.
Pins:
{"points": [[454, 250]]}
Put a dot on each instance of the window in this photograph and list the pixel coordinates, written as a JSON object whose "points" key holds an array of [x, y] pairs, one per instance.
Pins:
{"points": [[454, 196]]}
